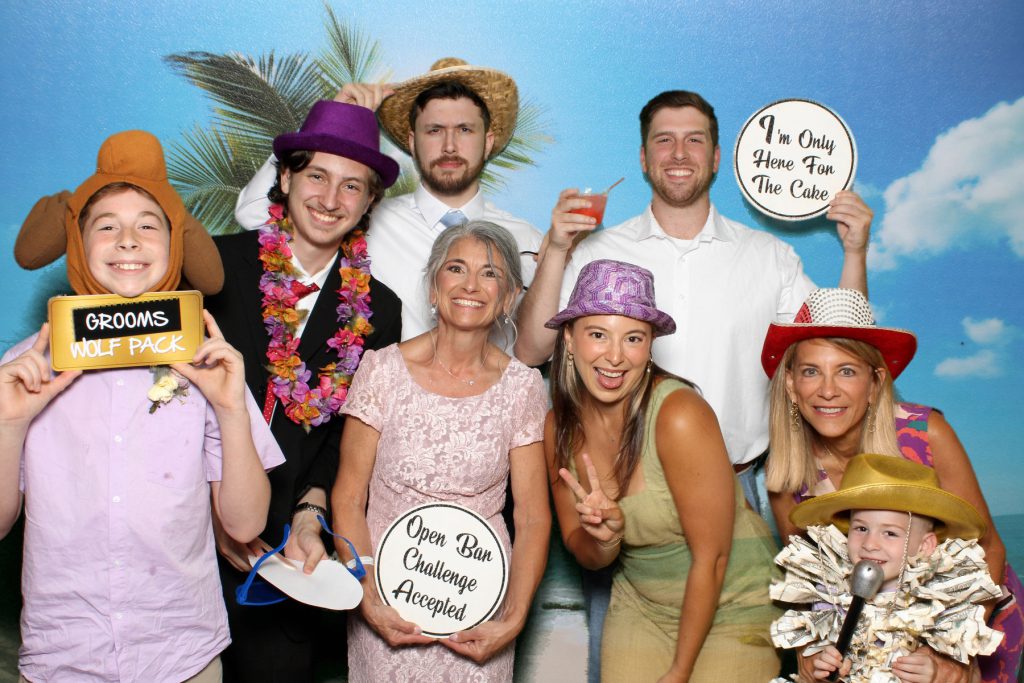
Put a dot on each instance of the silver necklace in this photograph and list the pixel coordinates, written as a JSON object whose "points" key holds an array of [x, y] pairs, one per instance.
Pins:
{"points": [[468, 382]]}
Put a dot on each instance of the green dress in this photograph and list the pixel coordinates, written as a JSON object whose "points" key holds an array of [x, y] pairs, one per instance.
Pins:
{"points": [[640, 631]]}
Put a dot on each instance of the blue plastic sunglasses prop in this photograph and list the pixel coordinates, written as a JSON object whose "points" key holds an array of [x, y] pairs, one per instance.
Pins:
{"points": [[256, 591]]}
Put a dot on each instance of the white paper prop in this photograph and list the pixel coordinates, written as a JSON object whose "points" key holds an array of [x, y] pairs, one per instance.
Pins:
{"points": [[330, 586], [792, 157], [936, 605], [442, 567]]}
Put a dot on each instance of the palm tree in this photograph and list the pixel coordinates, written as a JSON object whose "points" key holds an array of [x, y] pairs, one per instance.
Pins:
{"points": [[256, 99]]}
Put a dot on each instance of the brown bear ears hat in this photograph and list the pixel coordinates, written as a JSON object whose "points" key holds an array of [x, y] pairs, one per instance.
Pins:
{"points": [[135, 157]]}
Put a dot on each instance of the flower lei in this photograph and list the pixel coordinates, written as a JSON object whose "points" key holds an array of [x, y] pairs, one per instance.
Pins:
{"points": [[303, 404]]}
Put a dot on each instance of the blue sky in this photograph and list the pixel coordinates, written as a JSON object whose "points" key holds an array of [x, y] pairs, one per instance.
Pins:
{"points": [[933, 92]]}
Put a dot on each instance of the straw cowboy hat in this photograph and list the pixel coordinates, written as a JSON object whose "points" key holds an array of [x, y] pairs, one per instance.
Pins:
{"points": [[495, 88], [136, 157], [838, 313], [886, 482]]}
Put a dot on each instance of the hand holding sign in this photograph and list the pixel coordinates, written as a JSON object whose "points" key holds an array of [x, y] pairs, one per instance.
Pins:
{"points": [[386, 621], [793, 157], [600, 516], [443, 566], [853, 220], [27, 385], [217, 369]]}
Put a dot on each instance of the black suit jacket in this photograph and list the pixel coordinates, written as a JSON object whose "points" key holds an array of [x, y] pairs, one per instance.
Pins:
{"points": [[311, 458]]}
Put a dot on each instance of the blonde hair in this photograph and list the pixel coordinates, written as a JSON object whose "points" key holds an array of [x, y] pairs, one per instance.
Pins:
{"points": [[791, 463]]}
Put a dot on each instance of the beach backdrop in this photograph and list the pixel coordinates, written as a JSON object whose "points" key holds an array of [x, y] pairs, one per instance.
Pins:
{"points": [[933, 93]]}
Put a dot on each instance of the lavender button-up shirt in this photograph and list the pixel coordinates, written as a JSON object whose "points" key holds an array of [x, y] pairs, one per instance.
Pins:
{"points": [[120, 577]]}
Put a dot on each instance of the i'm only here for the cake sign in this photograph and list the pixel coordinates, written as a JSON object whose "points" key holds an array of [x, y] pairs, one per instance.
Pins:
{"points": [[442, 567], [792, 157]]}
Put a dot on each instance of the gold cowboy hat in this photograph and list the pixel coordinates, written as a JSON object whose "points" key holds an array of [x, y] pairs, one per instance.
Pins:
{"points": [[495, 88], [886, 482]]}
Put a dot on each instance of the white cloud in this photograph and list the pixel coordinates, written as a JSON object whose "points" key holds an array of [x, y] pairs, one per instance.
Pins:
{"points": [[982, 364], [989, 331], [968, 189]]}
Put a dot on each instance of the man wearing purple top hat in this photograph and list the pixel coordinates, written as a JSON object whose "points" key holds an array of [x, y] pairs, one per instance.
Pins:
{"points": [[300, 305], [452, 120]]}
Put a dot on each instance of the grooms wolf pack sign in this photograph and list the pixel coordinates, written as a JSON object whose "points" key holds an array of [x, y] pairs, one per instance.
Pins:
{"points": [[792, 157], [108, 331], [442, 567]]}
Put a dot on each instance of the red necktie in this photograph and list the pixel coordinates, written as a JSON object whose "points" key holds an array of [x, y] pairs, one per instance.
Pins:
{"points": [[270, 400]]}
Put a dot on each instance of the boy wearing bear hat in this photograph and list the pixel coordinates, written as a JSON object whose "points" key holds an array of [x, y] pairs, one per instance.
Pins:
{"points": [[119, 579]]}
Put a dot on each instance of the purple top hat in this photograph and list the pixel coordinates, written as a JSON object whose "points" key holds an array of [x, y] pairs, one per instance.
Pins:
{"points": [[607, 287], [346, 130]]}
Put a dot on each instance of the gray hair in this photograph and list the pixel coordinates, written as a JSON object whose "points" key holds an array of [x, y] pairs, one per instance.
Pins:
{"points": [[496, 239]]}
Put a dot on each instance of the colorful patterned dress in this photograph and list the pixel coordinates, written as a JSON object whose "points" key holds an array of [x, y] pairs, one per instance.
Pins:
{"points": [[1008, 617]]}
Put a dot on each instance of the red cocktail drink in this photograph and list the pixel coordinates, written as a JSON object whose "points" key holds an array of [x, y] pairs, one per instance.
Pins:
{"points": [[596, 208]]}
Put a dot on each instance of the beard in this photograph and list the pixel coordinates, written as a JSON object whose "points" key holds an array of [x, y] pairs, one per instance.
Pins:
{"points": [[680, 196], [445, 183]]}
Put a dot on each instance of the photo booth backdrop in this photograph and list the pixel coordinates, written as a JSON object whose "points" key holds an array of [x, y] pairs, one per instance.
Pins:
{"points": [[933, 92]]}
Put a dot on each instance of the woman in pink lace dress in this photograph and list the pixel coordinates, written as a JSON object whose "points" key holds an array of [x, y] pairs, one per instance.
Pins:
{"points": [[447, 416]]}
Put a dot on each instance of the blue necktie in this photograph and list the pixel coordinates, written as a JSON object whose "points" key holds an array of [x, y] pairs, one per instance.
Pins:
{"points": [[453, 218]]}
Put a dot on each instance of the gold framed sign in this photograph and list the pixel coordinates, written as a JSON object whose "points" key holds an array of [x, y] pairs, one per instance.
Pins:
{"points": [[109, 331]]}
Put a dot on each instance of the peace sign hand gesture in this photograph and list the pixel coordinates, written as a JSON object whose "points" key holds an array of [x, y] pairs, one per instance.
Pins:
{"points": [[600, 516]]}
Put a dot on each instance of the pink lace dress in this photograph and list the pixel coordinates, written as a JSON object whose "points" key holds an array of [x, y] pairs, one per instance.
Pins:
{"points": [[434, 448]]}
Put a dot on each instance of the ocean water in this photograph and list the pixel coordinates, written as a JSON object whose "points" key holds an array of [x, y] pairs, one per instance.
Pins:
{"points": [[1011, 530]]}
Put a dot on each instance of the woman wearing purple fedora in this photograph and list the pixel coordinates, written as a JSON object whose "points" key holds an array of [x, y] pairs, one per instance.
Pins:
{"points": [[832, 397], [640, 476]]}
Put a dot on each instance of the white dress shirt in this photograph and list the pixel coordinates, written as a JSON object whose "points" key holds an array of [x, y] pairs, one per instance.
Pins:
{"points": [[723, 288]]}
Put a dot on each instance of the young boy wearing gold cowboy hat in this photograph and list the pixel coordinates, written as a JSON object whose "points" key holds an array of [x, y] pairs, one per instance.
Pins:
{"points": [[923, 539], [119, 576]]}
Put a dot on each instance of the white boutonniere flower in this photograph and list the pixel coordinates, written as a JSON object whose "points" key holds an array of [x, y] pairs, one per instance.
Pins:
{"points": [[167, 384]]}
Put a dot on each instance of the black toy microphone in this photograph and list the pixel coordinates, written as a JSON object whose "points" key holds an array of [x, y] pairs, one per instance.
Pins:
{"points": [[864, 583]]}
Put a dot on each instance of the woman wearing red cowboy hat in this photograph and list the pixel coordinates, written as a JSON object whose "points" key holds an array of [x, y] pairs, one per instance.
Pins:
{"points": [[832, 397]]}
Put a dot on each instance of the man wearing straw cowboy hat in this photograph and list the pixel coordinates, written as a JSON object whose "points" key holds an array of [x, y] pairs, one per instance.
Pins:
{"points": [[452, 120]]}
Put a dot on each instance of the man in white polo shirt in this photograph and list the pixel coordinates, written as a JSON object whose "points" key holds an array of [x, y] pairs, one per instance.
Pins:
{"points": [[452, 120]]}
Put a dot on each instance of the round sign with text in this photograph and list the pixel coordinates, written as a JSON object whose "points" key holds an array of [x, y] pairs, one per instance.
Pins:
{"points": [[792, 157], [442, 567]]}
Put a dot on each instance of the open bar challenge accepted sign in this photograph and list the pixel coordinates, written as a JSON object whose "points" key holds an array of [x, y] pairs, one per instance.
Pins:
{"points": [[108, 331], [442, 567]]}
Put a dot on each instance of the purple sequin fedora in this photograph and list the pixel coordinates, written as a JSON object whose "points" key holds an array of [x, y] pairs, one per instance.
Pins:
{"points": [[607, 287], [346, 130]]}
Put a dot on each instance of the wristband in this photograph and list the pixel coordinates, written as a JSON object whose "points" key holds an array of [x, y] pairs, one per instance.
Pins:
{"points": [[312, 507], [365, 559]]}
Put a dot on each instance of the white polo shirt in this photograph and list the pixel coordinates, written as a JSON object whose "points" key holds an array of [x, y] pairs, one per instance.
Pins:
{"points": [[723, 288]]}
